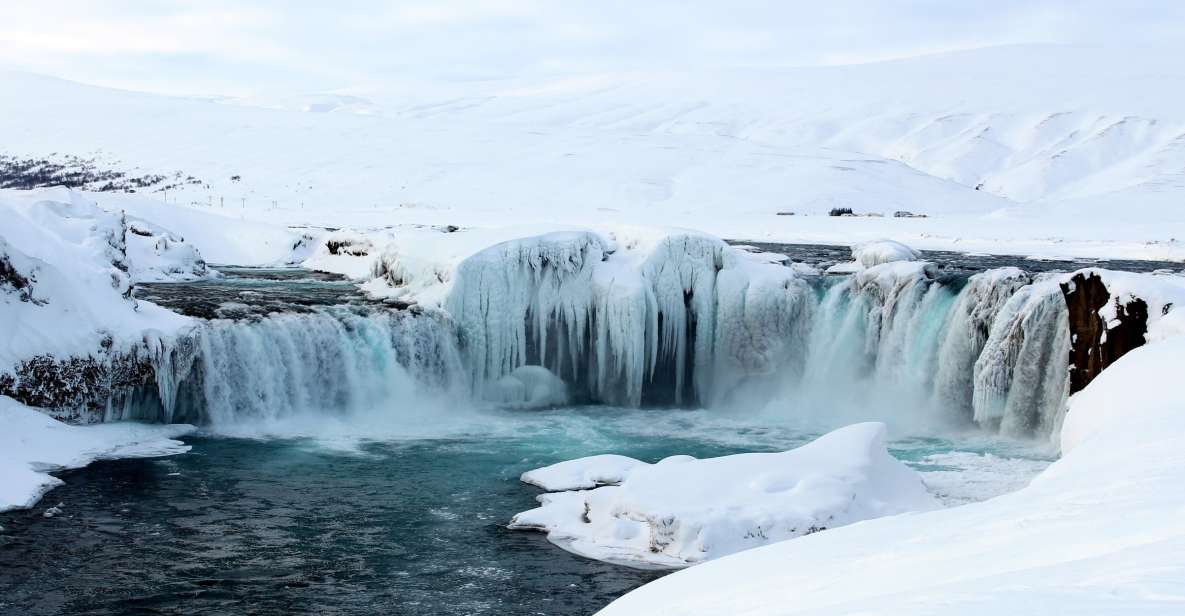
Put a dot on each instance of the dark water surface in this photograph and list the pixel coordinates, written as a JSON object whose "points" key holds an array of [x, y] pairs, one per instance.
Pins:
{"points": [[955, 263], [326, 526], [245, 526]]}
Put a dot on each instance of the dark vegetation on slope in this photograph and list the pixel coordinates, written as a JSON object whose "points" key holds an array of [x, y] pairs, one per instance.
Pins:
{"points": [[78, 389], [81, 173], [12, 281]]}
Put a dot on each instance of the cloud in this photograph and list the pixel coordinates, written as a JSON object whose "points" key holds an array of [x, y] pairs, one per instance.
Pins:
{"points": [[236, 47]]}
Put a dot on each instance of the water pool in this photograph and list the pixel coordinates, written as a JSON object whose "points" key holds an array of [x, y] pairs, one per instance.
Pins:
{"points": [[301, 518]]}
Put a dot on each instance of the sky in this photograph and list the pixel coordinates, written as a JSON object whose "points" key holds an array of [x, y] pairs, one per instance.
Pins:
{"points": [[223, 47]]}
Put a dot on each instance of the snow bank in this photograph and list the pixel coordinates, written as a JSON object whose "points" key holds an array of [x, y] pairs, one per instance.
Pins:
{"points": [[32, 445], [682, 511], [80, 262], [1099, 531]]}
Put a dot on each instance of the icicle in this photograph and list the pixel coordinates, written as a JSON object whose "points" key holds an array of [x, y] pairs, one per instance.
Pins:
{"points": [[333, 361], [1021, 379], [966, 333]]}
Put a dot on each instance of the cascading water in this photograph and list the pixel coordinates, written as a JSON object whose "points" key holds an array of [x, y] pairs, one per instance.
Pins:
{"points": [[332, 361], [691, 322], [695, 322]]}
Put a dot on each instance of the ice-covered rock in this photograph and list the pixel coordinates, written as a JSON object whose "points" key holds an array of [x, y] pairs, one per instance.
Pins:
{"points": [[871, 254], [967, 329], [70, 268], [681, 511], [1021, 379], [156, 254], [528, 387], [672, 316]]}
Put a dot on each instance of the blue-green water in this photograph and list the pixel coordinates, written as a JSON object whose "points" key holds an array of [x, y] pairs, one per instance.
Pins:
{"points": [[335, 524]]}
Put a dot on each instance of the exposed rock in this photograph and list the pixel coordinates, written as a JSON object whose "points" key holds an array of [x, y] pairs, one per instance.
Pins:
{"points": [[78, 389], [1096, 344], [13, 281]]}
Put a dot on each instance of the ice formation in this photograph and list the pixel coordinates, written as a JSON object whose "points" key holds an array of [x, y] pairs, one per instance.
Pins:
{"points": [[681, 511], [1021, 378], [879, 252], [967, 331], [658, 318], [528, 387], [625, 316], [1099, 531], [330, 362]]}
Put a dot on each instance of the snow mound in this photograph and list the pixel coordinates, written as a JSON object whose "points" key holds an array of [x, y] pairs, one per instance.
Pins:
{"points": [[156, 254], [583, 473], [870, 254], [78, 262], [682, 511], [32, 445], [528, 387], [1099, 531]]}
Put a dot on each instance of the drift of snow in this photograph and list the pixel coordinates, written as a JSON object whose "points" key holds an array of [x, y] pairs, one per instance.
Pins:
{"points": [[1099, 531], [80, 261], [871, 254], [32, 445], [1009, 150], [681, 511]]}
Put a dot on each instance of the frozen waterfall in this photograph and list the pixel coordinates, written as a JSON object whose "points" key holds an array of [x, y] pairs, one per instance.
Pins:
{"points": [[331, 361], [679, 319], [686, 320]]}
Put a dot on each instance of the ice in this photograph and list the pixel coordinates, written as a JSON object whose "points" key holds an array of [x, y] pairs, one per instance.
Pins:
{"points": [[681, 511], [583, 473], [1021, 379], [32, 445], [1098, 531], [80, 261], [528, 387], [878, 252], [1067, 168]]}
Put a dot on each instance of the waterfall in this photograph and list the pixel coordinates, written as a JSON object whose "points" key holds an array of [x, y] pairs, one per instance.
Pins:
{"points": [[966, 332], [684, 320], [688, 320], [1022, 377], [334, 361]]}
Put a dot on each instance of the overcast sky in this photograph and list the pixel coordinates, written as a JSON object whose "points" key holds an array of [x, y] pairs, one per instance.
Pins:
{"points": [[239, 48]]}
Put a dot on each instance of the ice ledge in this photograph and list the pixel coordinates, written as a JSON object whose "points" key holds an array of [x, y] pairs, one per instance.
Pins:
{"points": [[681, 511], [32, 445]]}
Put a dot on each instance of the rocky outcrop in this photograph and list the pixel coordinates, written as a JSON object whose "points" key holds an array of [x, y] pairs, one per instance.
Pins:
{"points": [[79, 389], [1096, 343]]}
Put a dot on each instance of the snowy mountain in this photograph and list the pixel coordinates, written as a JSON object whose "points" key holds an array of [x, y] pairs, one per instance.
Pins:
{"points": [[1003, 148]]}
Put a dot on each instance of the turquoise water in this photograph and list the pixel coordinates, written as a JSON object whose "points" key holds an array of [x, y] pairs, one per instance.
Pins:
{"points": [[332, 522]]}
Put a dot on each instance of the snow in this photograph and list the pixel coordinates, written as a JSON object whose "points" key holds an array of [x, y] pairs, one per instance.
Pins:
{"points": [[681, 511], [528, 387], [1063, 166], [583, 473], [33, 445], [81, 263], [1099, 531], [877, 252]]}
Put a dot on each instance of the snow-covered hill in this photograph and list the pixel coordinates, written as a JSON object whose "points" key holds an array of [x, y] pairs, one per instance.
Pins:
{"points": [[1051, 149]]}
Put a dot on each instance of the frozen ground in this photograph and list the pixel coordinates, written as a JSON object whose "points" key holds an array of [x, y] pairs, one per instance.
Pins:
{"points": [[1099, 531], [681, 511], [1051, 150]]}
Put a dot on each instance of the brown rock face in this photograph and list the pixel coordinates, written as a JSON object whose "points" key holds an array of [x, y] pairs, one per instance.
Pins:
{"points": [[1094, 346]]}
